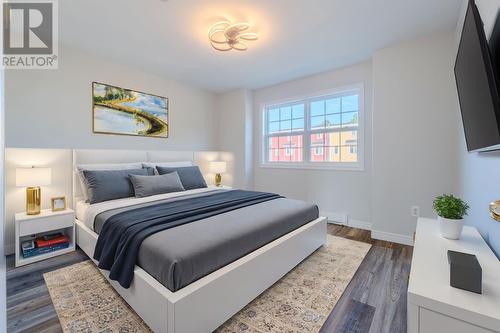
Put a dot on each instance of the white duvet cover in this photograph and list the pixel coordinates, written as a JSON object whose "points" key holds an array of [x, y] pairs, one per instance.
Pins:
{"points": [[86, 212]]}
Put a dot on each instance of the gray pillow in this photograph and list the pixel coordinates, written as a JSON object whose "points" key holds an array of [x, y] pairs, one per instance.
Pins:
{"points": [[191, 177], [104, 185], [112, 166], [145, 186]]}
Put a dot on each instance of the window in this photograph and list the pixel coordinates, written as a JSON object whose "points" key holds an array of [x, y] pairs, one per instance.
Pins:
{"points": [[315, 132], [285, 133]]}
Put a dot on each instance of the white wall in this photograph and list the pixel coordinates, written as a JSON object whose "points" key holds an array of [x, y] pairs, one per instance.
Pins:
{"points": [[480, 172], [59, 102], [335, 192], [415, 132], [235, 132]]}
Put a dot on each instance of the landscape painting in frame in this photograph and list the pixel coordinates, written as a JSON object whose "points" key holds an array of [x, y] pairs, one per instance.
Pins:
{"points": [[127, 112]]}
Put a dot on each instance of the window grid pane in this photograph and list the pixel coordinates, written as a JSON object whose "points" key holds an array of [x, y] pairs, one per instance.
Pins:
{"points": [[273, 127], [298, 124], [349, 154], [350, 118], [298, 111], [318, 122], [286, 113], [333, 106]]}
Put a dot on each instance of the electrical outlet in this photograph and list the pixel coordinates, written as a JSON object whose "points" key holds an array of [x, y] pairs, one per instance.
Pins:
{"points": [[415, 211]]}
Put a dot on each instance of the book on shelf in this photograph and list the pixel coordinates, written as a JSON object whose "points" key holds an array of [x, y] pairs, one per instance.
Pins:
{"points": [[29, 251], [28, 245], [36, 245], [51, 236], [42, 242]]}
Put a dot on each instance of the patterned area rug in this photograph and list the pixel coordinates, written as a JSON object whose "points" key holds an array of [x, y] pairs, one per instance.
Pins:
{"points": [[86, 302], [299, 302]]}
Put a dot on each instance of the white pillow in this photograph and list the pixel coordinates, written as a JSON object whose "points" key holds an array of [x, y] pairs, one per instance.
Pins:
{"points": [[175, 164], [115, 166]]}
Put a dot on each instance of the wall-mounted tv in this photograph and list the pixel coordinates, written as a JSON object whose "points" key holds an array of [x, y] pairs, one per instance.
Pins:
{"points": [[478, 78]]}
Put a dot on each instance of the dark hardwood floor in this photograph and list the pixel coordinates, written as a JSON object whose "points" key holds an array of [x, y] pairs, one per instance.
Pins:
{"points": [[29, 307], [374, 301]]}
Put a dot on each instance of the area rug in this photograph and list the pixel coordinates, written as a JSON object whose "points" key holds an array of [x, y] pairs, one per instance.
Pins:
{"points": [[299, 302]]}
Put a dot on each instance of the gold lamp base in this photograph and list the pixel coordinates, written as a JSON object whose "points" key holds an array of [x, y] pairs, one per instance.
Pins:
{"points": [[33, 200], [218, 179]]}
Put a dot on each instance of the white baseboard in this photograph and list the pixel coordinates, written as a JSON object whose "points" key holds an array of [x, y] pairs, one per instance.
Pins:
{"points": [[390, 237], [359, 224], [337, 218], [344, 219]]}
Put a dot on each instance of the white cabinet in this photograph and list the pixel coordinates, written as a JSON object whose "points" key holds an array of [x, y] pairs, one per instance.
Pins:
{"points": [[435, 306], [432, 322]]}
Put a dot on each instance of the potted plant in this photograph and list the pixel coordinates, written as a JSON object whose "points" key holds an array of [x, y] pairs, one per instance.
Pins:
{"points": [[451, 211]]}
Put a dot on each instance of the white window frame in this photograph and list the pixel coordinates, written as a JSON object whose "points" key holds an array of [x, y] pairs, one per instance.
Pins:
{"points": [[307, 164]]}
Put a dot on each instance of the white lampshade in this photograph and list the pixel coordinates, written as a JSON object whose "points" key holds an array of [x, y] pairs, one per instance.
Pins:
{"points": [[218, 166], [26, 177]]}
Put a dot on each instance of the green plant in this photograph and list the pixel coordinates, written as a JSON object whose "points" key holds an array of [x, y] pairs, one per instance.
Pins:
{"points": [[449, 207]]}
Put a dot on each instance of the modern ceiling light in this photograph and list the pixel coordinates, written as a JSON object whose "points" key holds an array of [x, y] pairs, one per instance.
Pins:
{"points": [[225, 36]]}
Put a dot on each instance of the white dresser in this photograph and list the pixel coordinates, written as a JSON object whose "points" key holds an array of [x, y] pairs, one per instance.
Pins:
{"points": [[435, 306]]}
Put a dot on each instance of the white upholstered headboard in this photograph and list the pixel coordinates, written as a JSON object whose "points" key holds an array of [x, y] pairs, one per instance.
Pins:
{"points": [[108, 156]]}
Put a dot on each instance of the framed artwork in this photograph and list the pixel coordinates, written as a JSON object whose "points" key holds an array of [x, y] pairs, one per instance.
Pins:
{"points": [[58, 203], [127, 112]]}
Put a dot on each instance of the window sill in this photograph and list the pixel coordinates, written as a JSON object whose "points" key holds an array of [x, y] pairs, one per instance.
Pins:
{"points": [[308, 166]]}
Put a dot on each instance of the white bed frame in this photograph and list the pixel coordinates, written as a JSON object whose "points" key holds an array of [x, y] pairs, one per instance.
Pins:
{"points": [[208, 302]]}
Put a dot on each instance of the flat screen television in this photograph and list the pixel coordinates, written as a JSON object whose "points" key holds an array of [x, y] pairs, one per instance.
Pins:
{"points": [[477, 78]]}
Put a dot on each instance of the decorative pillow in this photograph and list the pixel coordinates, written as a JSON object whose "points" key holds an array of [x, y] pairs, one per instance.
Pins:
{"points": [[174, 164], [191, 176], [145, 186], [104, 185], [111, 166]]}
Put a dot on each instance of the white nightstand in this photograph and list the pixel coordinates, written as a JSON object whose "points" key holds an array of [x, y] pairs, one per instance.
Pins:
{"points": [[44, 223]]}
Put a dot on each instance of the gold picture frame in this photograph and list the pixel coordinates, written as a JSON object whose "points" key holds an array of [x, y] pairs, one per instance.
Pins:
{"points": [[58, 203], [495, 210], [155, 125]]}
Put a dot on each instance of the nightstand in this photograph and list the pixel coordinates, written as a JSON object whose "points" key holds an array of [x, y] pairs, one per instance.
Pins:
{"points": [[47, 222]]}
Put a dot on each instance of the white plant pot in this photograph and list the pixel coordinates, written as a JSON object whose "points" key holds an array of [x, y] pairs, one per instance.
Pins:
{"points": [[450, 228]]}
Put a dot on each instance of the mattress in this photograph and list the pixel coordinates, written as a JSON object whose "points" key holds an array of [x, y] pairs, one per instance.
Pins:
{"points": [[179, 256]]}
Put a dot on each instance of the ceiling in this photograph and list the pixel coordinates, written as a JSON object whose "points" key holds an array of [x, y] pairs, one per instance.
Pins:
{"points": [[296, 37]]}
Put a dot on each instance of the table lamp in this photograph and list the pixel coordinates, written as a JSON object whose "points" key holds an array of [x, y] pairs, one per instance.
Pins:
{"points": [[218, 167], [32, 179]]}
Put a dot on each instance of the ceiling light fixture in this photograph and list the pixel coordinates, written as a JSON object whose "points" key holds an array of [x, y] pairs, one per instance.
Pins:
{"points": [[225, 36]]}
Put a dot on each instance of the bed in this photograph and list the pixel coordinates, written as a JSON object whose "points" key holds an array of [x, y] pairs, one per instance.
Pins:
{"points": [[195, 276]]}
